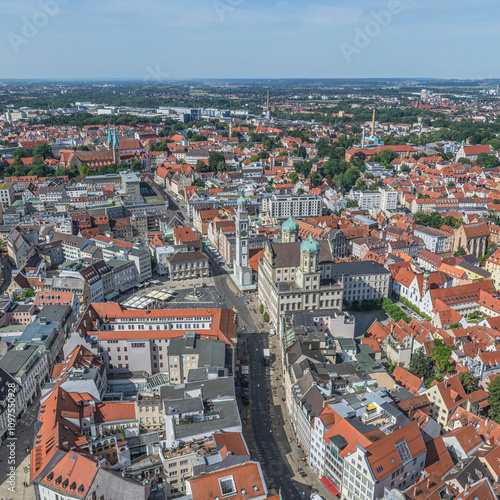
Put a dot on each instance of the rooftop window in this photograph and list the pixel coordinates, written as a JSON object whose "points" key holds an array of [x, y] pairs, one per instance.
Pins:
{"points": [[227, 486], [404, 452]]}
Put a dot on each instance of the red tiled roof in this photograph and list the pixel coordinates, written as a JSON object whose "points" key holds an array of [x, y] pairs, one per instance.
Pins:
{"points": [[407, 379], [233, 441], [383, 455], [248, 483]]}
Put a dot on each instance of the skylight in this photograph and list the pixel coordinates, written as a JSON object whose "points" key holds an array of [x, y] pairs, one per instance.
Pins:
{"points": [[404, 452], [227, 486]]}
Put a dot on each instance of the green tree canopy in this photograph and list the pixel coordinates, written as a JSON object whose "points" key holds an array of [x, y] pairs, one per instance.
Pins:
{"points": [[215, 158], [293, 177], [315, 179], [468, 381], [43, 150], [198, 183], [419, 365], [441, 355], [494, 399]]}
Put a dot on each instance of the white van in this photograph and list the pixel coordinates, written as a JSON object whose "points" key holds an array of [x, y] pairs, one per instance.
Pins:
{"points": [[315, 496]]}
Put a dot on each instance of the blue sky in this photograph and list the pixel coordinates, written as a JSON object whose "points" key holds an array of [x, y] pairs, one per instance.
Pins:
{"points": [[249, 39]]}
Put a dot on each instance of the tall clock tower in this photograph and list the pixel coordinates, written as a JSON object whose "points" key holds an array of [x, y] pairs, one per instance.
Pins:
{"points": [[242, 271]]}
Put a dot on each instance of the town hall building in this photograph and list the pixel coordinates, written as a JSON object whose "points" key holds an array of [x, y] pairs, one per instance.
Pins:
{"points": [[298, 276]]}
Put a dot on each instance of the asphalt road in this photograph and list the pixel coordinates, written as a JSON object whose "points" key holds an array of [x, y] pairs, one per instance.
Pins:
{"points": [[269, 436]]}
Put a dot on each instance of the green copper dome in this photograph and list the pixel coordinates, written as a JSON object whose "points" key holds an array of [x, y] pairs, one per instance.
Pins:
{"points": [[242, 198], [310, 245], [290, 226]]}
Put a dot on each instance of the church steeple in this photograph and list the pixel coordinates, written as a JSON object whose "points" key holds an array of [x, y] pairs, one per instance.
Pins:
{"points": [[114, 145]]}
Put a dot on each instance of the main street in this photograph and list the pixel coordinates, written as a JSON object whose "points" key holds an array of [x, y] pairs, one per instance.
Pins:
{"points": [[24, 434], [266, 436]]}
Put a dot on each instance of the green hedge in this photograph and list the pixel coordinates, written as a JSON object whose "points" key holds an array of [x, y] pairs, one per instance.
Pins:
{"points": [[395, 312], [414, 309]]}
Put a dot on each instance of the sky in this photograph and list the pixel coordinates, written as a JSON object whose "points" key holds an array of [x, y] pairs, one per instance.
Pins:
{"points": [[157, 40]]}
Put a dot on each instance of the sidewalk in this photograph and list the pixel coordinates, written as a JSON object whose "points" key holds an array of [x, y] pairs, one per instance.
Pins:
{"points": [[295, 457], [276, 398], [21, 493]]}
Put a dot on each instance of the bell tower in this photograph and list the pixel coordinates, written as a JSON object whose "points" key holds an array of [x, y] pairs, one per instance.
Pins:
{"points": [[308, 273], [243, 274], [289, 231], [116, 148]]}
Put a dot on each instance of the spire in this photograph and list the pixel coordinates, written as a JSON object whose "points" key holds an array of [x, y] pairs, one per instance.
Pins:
{"points": [[109, 136], [116, 148]]}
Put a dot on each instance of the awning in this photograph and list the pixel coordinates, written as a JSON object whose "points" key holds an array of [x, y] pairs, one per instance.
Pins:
{"points": [[111, 295], [329, 486], [126, 287]]}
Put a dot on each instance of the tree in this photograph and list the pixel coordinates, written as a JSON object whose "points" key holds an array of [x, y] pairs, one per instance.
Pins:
{"points": [[349, 178], [368, 304], [405, 168], [352, 204], [159, 146], [419, 365], [358, 159], [300, 191], [360, 185], [468, 381], [460, 251], [293, 177], [214, 159], [441, 355], [464, 161], [481, 158], [22, 153], [136, 165], [494, 399], [315, 179], [491, 161], [386, 156], [84, 170], [201, 166], [43, 150], [261, 308], [265, 317], [198, 183]]}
